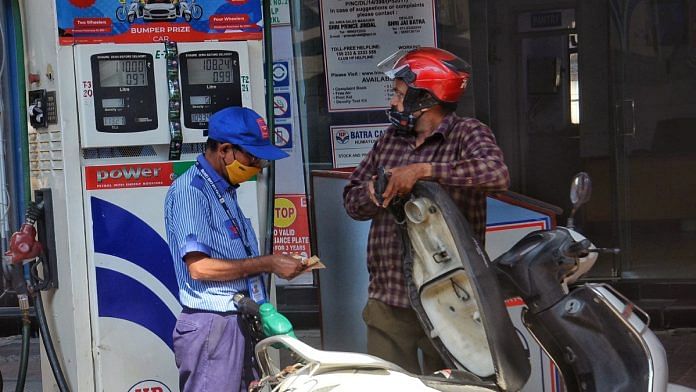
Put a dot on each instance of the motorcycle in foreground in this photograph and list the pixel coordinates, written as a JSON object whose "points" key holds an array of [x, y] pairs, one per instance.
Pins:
{"points": [[597, 338]]}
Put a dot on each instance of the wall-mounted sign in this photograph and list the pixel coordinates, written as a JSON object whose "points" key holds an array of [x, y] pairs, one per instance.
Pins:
{"points": [[280, 13], [281, 105], [351, 143], [546, 20], [291, 225], [135, 21], [283, 135], [358, 35]]}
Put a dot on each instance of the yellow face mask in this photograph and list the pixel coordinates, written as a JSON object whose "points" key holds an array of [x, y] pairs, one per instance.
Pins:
{"points": [[237, 173]]}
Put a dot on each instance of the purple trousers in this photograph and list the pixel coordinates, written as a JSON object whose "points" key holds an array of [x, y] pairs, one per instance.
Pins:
{"points": [[210, 353]]}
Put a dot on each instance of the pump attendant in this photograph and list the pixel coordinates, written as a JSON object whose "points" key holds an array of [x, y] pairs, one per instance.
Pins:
{"points": [[427, 141], [215, 251]]}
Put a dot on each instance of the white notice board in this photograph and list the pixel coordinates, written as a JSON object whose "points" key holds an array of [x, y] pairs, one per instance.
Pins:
{"points": [[358, 34]]}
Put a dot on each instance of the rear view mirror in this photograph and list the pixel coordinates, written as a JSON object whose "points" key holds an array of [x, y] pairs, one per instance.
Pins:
{"points": [[580, 192], [580, 189]]}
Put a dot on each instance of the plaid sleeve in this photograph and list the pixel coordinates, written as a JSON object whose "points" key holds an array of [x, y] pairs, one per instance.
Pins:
{"points": [[481, 164], [356, 197]]}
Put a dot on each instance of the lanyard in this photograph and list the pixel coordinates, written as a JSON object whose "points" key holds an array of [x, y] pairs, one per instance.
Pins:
{"points": [[221, 199]]}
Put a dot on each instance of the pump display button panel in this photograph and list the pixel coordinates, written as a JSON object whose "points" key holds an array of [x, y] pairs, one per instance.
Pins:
{"points": [[210, 81], [124, 92]]}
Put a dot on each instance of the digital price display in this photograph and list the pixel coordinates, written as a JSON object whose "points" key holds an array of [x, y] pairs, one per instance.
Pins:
{"points": [[124, 92], [122, 73], [114, 120], [210, 70], [200, 117], [200, 100], [210, 81], [113, 103]]}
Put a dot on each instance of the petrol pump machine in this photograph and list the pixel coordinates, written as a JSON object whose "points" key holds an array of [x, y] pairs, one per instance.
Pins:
{"points": [[119, 95], [213, 77], [131, 117]]}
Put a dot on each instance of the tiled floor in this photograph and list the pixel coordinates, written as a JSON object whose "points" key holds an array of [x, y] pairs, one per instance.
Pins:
{"points": [[680, 346], [10, 350]]}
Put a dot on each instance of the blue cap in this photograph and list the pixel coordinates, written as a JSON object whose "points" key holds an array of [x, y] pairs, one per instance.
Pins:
{"points": [[245, 128]]}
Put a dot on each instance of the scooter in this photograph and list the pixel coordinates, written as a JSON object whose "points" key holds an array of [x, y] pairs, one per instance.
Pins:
{"points": [[597, 338]]}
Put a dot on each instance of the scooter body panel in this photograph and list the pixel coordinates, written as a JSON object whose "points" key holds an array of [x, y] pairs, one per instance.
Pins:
{"points": [[454, 289]]}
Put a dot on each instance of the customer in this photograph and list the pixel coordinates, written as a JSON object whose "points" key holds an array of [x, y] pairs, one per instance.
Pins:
{"points": [[427, 141]]}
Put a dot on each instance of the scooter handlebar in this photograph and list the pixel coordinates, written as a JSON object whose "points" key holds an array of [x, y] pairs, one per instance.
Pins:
{"points": [[614, 251], [381, 184], [578, 249]]}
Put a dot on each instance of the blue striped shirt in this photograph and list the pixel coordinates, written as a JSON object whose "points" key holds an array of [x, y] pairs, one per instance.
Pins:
{"points": [[196, 222]]}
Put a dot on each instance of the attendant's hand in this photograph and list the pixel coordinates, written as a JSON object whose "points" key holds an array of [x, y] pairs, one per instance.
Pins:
{"points": [[403, 178], [285, 266]]}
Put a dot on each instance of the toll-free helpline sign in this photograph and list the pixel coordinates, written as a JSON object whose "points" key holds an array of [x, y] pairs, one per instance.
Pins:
{"points": [[357, 35]]}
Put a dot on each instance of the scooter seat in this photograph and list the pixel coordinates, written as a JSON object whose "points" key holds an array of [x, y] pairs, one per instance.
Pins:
{"points": [[326, 360], [457, 380]]}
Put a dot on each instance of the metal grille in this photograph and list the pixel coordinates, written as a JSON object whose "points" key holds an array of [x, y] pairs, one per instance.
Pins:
{"points": [[118, 152], [192, 148]]}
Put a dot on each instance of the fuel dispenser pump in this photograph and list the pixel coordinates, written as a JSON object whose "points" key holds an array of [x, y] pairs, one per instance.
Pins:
{"points": [[25, 249], [132, 100], [131, 116]]}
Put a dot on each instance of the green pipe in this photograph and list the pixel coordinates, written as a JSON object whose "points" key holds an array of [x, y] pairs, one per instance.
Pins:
{"points": [[22, 92]]}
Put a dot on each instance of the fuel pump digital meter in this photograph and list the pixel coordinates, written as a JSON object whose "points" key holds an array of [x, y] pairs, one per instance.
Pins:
{"points": [[210, 82], [124, 90], [214, 75], [122, 94]]}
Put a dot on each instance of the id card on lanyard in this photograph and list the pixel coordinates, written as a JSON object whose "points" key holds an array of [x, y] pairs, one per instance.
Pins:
{"points": [[255, 285]]}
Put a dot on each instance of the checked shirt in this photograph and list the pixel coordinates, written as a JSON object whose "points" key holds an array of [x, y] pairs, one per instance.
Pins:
{"points": [[465, 160]]}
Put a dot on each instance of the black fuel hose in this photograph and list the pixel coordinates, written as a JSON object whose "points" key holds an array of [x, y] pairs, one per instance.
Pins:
{"points": [[48, 344], [17, 277], [24, 357]]}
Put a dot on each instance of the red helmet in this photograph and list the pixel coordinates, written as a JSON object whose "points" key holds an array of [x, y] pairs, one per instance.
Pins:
{"points": [[437, 71]]}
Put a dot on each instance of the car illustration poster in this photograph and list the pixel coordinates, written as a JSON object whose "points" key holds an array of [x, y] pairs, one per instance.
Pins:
{"points": [[142, 21]]}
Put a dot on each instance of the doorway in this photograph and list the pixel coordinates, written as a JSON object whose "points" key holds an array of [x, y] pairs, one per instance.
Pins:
{"points": [[613, 95]]}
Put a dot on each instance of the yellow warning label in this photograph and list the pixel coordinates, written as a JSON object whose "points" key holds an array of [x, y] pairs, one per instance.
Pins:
{"points": [[284, 212]]}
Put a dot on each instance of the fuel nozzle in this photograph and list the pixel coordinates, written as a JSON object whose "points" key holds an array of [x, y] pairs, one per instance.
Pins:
{"points": [[23, 243]]}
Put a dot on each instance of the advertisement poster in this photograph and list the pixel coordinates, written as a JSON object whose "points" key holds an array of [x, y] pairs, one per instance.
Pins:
{"points": [[291, 225], [142, 21], [351, 143], [135, 175], [358, 34]]}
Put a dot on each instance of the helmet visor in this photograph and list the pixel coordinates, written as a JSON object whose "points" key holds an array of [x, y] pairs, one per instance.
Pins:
{"points": [[389, 66]]}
